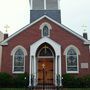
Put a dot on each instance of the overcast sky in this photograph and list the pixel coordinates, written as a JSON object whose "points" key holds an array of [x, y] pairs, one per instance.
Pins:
{"points": [[74, 14]]}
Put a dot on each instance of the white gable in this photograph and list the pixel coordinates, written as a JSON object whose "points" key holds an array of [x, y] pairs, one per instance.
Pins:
{"points": [[60, 25]]}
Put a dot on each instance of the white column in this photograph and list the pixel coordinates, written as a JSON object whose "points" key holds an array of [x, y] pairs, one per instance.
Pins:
{"points": [[59, 68], [30, 73], [31, 68], [56, 70], [34, 67]]}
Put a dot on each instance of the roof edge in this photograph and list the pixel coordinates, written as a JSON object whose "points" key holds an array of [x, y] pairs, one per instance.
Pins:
{"points": [[44, 16]]}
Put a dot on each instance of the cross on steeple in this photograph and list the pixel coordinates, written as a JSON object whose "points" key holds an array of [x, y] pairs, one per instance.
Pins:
{"points": [[6, 28], [84, 27]]}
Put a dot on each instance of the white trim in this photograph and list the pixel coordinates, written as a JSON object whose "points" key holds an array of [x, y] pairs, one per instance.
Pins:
{"points": [[78, 53], [71, 46], [13, 53], [0, 57], [47, 24], [44, 16], [33, 49], [58, 4], [16, 48], [89, 48], [30, 1], [45, 4], [49, 28], [45, 57]]}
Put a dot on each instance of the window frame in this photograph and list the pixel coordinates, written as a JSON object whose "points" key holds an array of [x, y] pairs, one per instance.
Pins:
{"points": [[77, 53], [13, 55], [18, 66], [77, 71], [49, 28]]}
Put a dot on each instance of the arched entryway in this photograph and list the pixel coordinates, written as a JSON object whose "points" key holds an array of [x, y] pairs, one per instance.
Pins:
{"points": [[51, 60], [45, 64]]}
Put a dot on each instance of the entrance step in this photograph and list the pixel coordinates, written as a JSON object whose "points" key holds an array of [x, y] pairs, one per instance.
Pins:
{"points": [[45, 87]]}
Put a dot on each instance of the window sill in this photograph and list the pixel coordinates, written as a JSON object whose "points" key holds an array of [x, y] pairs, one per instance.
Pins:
{"points": [[72, 72], [18, 72]]}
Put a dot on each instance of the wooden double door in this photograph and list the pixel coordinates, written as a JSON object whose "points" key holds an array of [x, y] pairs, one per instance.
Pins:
{"points": [[45, 70]]}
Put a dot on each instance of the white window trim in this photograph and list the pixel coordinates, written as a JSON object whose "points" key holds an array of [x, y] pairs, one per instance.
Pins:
{"points": [[49, 27], [78, 53], [13, 54]]}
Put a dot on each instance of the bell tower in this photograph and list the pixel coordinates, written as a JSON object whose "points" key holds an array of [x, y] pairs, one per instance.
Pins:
{"points": [[38, 8]]}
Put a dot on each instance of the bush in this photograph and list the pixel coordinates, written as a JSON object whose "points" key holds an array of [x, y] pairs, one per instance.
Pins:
{"points": [[5, 80], [86, 81], [71, 81], [21, 80]]}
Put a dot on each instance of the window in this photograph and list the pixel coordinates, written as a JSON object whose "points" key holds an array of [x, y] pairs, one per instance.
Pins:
{"points": [[19, 61], [45, 52], [72, 59], [45, 31]]}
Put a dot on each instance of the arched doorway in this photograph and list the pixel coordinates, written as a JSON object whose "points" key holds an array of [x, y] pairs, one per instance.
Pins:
{"points": [[35, 49], [45, 64]]}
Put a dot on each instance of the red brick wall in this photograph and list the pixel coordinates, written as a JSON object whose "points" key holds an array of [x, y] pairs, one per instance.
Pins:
{"points": [[33, 34]]}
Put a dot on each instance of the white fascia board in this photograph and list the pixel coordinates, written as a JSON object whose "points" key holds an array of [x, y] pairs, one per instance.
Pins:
{"points": [[89, 48], [87, 42], [67, 29]]}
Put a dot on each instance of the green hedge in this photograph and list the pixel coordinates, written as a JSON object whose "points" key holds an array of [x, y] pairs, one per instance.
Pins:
{"points": [[5, 80], [73, 81], [19, 80]]}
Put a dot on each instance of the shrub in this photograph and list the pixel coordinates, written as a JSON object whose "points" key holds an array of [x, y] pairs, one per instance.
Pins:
{"points": [[71, 81], [21, 80], [86, 81], [5, 79]]}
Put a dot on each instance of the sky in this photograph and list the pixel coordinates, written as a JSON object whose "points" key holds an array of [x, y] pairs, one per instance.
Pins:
{"points": [[74, 14]]}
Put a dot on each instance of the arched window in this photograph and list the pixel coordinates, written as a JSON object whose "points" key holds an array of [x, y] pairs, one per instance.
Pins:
{"points": [[71, 60], [45, 52], [72, 53], [19, 61], [45, 31]]}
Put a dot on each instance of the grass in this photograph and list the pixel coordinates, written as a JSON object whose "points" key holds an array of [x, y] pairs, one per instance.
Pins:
{"points": [[13, 89], [60, 89]]}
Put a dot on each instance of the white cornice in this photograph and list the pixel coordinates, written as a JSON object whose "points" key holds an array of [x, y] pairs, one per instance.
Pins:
{"points": [[44, 16], [89, 48]]}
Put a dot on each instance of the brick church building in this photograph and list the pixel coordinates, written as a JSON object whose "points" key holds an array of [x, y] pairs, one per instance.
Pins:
{"points": [[46, 44]]}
